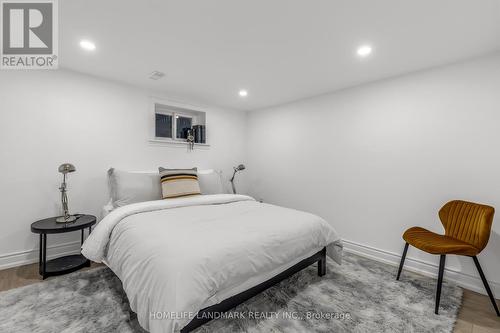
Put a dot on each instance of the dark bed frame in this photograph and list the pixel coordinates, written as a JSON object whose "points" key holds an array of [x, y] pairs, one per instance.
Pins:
{"points": [[210, 312]]}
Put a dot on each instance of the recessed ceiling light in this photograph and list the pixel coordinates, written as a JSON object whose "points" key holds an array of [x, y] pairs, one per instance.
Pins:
{"points": [[243, 93], [364, 50], [87, 45]]}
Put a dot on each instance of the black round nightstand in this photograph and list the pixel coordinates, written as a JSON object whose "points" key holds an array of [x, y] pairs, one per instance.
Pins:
{"points": [[65, 264]]}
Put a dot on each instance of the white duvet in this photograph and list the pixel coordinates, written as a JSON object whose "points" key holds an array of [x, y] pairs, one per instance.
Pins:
{"points": [[179, 256]]}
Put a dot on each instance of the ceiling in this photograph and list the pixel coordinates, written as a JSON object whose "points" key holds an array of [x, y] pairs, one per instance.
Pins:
{"points": [[279, 50]]}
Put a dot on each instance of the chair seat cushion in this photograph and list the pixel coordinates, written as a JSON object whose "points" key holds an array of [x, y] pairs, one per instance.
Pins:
{"points": [[433, 243]]}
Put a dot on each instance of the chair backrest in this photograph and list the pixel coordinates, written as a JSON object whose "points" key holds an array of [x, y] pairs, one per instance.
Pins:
{"points": [[467, 221]]}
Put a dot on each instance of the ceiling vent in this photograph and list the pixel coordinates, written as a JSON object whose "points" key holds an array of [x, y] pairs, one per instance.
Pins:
{"points": [[156, 75]]}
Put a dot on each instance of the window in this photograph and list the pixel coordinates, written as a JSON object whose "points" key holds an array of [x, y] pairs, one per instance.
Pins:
{"points": [[173, 121], [183, 124], [163, 125]]}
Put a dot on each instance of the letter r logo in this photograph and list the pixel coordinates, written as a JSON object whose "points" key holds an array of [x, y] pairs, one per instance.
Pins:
{"points": [[27, 27]]}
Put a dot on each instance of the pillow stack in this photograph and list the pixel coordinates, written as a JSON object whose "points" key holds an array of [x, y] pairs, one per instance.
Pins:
{"points": [[128, 187], [176, 183]]}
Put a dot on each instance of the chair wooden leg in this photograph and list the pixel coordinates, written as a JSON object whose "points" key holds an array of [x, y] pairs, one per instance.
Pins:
{"points": [[486, 285], [442, 261], [402, 260]]}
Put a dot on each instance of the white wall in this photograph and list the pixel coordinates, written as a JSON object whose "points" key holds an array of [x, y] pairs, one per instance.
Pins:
{"points": [[51, 117], [377, 159]]}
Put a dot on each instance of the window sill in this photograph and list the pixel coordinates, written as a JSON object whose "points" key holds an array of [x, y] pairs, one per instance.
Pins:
{"points": [[176, 143]]}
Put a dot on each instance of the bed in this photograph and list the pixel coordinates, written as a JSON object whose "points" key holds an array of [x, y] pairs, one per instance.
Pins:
{"points": [[183, 257]]}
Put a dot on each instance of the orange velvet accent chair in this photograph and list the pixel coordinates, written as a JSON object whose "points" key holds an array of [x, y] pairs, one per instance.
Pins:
{"points": [[467, 227]]}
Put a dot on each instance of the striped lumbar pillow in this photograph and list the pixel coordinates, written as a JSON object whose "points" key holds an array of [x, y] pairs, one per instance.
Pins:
{"points": [[177, 183]]}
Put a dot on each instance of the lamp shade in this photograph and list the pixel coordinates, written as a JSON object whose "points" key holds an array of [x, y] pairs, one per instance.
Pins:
{"points": [[66, 168]]}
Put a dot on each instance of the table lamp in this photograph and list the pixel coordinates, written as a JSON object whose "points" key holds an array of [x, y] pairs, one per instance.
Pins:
{"points": [[240, 167], [65, 169]]}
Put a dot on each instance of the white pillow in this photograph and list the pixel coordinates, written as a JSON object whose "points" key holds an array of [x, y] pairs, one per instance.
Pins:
{"points": [[131, 187], [210, 182]]}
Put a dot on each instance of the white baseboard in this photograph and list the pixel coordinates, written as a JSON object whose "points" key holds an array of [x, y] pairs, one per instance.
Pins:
{"points": [[31, 256], [464, 280]]}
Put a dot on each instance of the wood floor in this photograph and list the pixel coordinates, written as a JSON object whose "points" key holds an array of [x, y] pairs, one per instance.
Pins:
{"points": [[476, 314]]}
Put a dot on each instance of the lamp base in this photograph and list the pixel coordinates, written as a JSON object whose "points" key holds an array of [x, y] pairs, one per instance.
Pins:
{"points": [[62, 219]]}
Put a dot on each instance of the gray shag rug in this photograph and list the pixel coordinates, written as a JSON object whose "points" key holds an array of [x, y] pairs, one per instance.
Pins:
{"points": [[361, 295]]}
